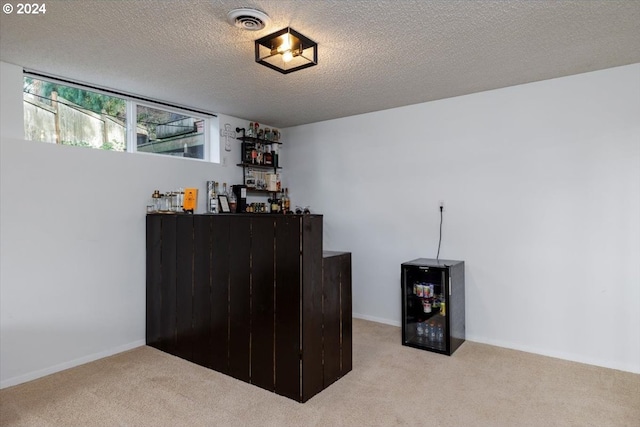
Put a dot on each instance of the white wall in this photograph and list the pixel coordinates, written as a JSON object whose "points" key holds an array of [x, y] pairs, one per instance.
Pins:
{"points": [[542, 190], [541, 184], [11, 117], [72, 227]]}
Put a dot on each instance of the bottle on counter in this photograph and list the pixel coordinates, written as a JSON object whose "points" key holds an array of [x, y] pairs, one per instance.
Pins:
{"points": [[233, 201], [275, 204], [281, 201], [223, 192], [213, 197], [287, 201], [180, 199], [155, 201]]}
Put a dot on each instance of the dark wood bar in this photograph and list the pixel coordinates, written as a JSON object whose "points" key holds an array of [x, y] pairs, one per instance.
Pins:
{"points": [[252, 296], [336, 275]]}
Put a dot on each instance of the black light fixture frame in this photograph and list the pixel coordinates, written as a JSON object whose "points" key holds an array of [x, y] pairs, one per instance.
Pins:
{"points": [[305, 43]]}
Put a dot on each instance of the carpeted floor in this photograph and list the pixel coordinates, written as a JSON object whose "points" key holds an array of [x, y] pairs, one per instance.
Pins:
{"points": [[390, 385]]}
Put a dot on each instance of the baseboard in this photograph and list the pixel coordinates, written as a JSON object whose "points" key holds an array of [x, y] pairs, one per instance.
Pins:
{"points": [[71, 364], [376, 319], [557, 354], [528, 349]]}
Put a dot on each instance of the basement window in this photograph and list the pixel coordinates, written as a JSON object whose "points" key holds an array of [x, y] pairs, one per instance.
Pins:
{"points": [[165, 132], [70, 114]]}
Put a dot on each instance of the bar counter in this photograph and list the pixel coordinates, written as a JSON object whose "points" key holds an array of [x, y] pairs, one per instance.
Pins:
{"points": [[252, 296]]}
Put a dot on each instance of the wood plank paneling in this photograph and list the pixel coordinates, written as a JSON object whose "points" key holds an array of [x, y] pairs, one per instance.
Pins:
{"points": [[247, 296], [262, 299], [168, 286], [154, 281], [287, 307], [331, 318], [201, 290], [239, 297], [219, 277], [346, 314], [184, 287], [312, 372]]}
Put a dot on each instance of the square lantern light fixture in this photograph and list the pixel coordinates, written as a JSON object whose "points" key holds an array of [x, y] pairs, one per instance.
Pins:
{"points": [[286, 51]]}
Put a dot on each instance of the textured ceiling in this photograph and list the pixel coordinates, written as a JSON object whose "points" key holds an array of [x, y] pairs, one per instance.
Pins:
{"points": [[373, 55]]}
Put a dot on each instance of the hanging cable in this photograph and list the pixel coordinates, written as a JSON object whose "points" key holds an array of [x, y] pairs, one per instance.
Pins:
{"points": [[440, 237]]}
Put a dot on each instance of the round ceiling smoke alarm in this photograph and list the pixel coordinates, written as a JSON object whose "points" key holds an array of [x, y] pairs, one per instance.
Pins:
{"points": [[248, 19]]}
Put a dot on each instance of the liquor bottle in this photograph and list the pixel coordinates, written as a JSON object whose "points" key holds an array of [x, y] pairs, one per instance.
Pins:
{"points": [[274, 154], [233, 201], [259, 154], [268, 157], [254, 154], [275, 204], [223, 193], [250, 130], [213, 199], [287, 201], [154, 205]]}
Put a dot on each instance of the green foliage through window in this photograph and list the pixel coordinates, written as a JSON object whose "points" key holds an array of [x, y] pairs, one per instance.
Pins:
{"points": [[78, 117]]}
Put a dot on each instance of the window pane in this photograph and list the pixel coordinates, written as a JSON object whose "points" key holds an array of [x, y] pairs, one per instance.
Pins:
{"points": [[67, 115], [169, 133]]}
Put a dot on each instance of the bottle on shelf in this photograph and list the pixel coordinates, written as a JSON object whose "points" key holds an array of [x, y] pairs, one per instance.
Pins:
{"points": [[427, 329], [250, 130], [433, 330], [274, 155], [259, 154], [439, 333], [268, 157], [254, 154]]}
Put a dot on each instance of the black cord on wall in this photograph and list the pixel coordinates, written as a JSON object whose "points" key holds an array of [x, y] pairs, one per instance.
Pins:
{"points": [[440, 238]]}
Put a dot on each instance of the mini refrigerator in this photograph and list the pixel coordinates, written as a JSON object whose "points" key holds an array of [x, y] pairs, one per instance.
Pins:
{"points": [[433, 307]]}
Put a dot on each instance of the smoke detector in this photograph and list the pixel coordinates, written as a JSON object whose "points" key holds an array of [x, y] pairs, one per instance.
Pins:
{"points": [[248, 19]]}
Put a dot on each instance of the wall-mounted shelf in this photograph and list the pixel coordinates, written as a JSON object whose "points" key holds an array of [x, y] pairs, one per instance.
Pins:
{"points": [[256, 166], [253, 155], [253, 140]]}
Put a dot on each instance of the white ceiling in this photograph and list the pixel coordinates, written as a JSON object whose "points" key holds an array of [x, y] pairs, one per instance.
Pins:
{"points": [[373, 55]]}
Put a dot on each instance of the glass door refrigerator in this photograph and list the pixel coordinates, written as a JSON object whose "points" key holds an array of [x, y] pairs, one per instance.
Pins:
{"points": [[433, 311]]}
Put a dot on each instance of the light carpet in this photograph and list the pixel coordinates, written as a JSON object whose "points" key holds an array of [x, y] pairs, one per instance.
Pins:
{"points": [[390, 385]]}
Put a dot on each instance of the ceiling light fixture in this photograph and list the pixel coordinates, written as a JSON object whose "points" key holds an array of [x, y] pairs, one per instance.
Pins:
{"points": [[286, 51]]}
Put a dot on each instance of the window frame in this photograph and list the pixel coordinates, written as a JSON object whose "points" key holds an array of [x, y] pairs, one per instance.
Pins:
{"points": [[131, 105]]}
